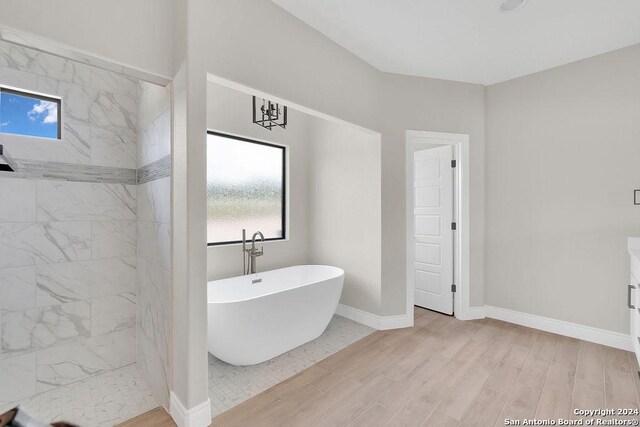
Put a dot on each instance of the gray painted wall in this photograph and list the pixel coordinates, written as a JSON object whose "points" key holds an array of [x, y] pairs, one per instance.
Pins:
{"points": [[328, 222], [345, 209], [229, 111], [133, 32], [309, 69], [313, 71], [439, 106], [562, 162]]}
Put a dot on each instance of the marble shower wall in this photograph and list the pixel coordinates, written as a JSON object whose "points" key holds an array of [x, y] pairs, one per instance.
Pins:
{"points": [[154, 238], [68, 239]]}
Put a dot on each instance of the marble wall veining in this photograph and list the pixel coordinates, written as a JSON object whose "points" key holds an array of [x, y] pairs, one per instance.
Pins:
{"points": [[99, 109], [68, 226], [154, 239]]}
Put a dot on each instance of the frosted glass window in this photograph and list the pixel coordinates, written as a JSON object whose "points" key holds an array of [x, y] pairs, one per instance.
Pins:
{"points": [[245, 189], [25, 113]]}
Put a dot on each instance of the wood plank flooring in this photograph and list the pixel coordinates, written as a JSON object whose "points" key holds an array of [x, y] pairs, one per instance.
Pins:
{"points": [[157, 417], [445, 372]]}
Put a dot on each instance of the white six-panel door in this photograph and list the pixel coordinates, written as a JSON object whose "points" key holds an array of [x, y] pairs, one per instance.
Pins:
{"points": [[433, 237]]}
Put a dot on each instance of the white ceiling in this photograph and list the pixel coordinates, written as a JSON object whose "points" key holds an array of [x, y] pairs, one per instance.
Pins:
{"points": [[471, 40]]}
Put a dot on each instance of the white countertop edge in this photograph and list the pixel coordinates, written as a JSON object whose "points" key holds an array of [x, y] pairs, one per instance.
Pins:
{"points": [[634, 247]]}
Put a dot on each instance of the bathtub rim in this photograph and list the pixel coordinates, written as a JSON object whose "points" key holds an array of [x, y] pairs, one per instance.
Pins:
{"points": [[340, 271]]}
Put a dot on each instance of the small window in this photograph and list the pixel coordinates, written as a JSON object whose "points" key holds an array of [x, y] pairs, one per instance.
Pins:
{"points": [[30, 114], [245, 189]]}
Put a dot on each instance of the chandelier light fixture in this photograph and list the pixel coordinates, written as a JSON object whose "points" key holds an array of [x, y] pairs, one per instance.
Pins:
{"points": [[268, 114]]}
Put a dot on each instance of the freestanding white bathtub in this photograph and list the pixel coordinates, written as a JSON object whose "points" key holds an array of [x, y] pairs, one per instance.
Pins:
{"points": [[257, 317]]}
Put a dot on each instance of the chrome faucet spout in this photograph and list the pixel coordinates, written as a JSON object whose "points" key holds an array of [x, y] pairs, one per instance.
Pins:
{"points": [[253, 239], [251, 253], [254, 252]]}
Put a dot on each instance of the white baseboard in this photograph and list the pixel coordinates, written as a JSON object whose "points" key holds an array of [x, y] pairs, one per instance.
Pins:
{"points": [[472, 313], [198, 416], [373, 320], [560, 327]]}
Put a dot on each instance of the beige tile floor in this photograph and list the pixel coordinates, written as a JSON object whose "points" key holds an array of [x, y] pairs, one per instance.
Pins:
{"points": [[231, 385]]}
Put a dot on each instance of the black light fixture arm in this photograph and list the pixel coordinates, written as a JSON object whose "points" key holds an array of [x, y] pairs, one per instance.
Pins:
{"points": [[269, 114]]}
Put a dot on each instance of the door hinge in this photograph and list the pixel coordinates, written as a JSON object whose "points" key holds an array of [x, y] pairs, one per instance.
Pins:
{"points": [[453, 163], [453, 288], [453, 226]]}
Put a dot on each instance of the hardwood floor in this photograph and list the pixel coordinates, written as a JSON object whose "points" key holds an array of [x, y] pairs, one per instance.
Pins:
{"points": [[157, 417], [445, 372]]}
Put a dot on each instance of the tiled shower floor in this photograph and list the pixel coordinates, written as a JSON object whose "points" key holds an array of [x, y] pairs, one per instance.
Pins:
{"points": [[231, 385], [102, 400], [116, 396]]}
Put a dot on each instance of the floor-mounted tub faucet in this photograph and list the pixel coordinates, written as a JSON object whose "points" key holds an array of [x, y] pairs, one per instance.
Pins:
{"points": [[251, 253]]}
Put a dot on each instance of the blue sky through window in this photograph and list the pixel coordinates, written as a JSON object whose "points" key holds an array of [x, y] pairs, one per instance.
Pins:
{"points": [[24, 115]]}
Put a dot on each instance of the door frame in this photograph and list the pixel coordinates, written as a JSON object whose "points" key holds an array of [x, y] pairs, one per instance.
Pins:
{"points": [[460, 143]]}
